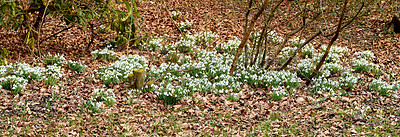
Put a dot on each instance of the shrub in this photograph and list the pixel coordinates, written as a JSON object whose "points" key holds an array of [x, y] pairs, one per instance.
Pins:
{"points": [[71, 12]]}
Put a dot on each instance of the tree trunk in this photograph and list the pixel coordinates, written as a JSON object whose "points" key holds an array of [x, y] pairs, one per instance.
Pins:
{"points": [[136, 79], [394, 24]]}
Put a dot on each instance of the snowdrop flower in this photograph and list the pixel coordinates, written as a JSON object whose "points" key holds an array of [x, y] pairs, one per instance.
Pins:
{"points": [[184, 25], [104, 51], [297, 40], [175, 14], [365, 55]]}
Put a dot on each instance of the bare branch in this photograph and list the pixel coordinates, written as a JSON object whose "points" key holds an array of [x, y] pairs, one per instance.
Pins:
{"points": [[319, 33], [67, 28], [247, 15], [286, 40], [298, 49], [348, 22]]}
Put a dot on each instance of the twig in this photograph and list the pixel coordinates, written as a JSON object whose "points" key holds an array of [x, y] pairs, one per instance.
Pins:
{"points": [[166, 71], [245, 29], [41, 23], [298, 49], [349, 21], [257, 46], [57, 33], [287, 39], [263, 36], [273, 27], [247, 15]]}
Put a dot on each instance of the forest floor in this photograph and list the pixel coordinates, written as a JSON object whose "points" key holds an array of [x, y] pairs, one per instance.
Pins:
{"points": [[58, 110]]}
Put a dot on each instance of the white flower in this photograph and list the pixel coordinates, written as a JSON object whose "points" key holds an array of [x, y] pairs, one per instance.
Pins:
{"points": [[175, 13], [56, 56], [380, 84], [365, 55], [362, 62], [17, 84], [297, 40], [278, 91], [54, 71], [184, 25]]}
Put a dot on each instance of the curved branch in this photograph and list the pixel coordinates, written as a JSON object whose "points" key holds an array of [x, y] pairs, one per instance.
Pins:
{"points": [[319, 33], [287, 38]]}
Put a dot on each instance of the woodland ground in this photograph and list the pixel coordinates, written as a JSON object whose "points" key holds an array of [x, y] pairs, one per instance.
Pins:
{"points": [[361, 112]]}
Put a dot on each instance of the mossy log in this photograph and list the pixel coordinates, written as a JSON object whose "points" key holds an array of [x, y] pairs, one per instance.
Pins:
{"points": [[136, 79]]}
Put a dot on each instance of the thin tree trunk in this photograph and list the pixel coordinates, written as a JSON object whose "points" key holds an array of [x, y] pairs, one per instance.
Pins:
{"points": [[247, 15], [265, 52], [246, 57], [257, 46], [245, 29], [246, 37], [283, 44], [265, 36], [320, 32], [329, 45]]}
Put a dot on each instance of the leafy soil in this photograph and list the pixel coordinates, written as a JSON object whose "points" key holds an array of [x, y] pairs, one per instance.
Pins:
{"points": [[57, 111]]}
